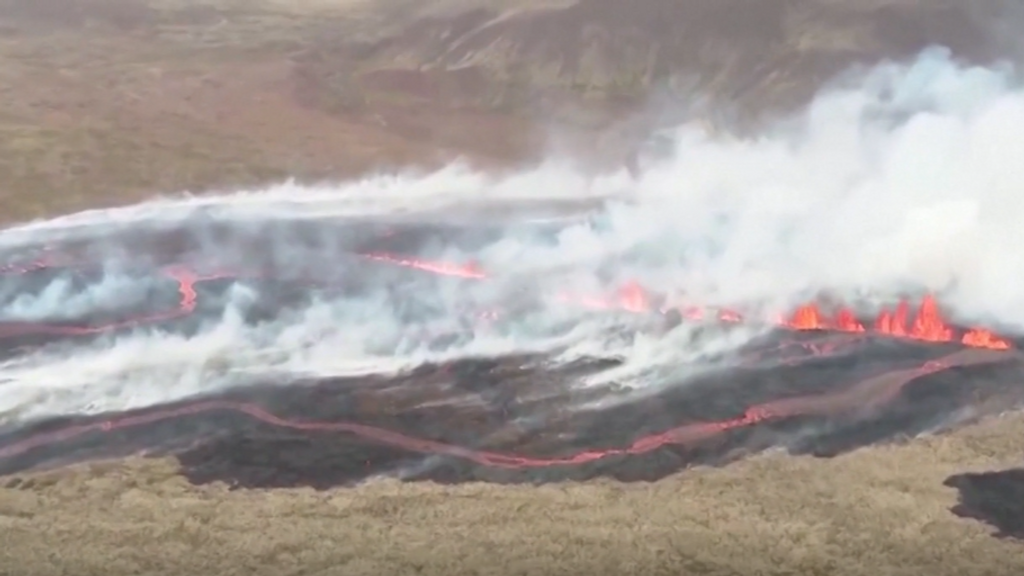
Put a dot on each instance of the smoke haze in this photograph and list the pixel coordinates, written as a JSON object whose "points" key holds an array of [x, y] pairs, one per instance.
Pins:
{"points": [[901, 178]]}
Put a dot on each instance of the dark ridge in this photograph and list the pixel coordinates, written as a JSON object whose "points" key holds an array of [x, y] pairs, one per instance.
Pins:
{"points": [[249, 459], [930, 403], [522, 411], [995, 498]]}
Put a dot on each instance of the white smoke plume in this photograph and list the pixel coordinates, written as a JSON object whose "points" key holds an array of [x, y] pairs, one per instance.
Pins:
{"points": [[901, 177]]}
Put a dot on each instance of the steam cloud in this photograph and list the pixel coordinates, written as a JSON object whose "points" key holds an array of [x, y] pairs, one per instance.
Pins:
{"points": [[904, 177]]}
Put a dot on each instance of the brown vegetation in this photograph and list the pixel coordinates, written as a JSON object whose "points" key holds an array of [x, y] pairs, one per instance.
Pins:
{"points": [[110, 100], [107, 101], [876, 511]]}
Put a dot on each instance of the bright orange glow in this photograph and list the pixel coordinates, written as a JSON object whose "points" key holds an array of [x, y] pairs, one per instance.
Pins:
{"points": [[807, 317], [440, 268], [928, 324], [847, 322], [980, 338], [893, 323]]}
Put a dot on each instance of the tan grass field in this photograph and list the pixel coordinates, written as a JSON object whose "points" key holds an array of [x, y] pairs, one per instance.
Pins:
{"points": [[111, 101], [876, 511]]}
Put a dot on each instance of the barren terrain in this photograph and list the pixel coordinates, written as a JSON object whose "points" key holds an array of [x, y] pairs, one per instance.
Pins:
{"points": [[110, 101]]}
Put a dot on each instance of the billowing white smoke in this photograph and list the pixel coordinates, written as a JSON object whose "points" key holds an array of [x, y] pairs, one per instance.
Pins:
{"points": [[900, 177]]}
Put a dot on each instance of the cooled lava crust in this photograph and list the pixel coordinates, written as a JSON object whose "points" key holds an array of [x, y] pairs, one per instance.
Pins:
{"points": [[817, 385]]}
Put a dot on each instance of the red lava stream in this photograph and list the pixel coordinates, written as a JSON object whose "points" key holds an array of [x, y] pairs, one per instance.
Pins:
{"points": [[979, 346]]}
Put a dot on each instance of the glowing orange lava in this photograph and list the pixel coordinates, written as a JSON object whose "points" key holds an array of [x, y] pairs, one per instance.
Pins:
{"points": [[808, 317], [927, 326], [981, 338], [441, 268], [847, 322]]}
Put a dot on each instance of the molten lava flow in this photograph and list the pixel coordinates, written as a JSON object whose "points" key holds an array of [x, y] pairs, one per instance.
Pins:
{"points": [[893, 324], [471, 271], [807, 317], [928, 324], [847, 322], [980, 338]]}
